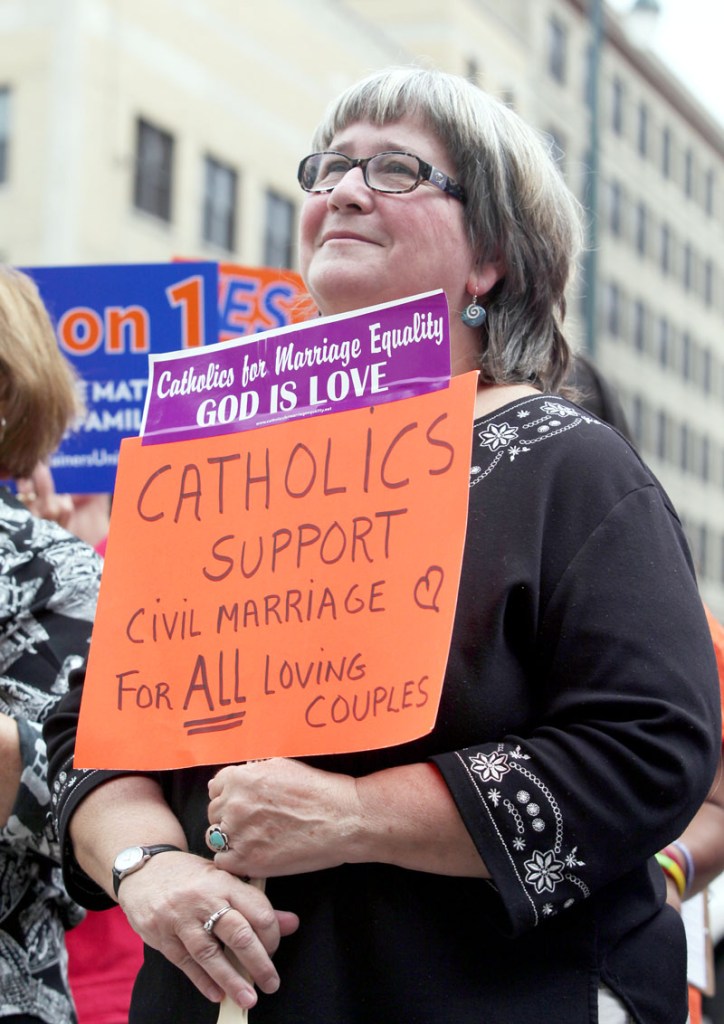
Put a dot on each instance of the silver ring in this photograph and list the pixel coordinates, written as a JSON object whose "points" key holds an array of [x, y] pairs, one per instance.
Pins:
{"points": [[209, 925], [217, 840]]}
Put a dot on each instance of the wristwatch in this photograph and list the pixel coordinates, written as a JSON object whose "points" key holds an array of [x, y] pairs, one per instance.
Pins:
{"points": [[133, 858]]}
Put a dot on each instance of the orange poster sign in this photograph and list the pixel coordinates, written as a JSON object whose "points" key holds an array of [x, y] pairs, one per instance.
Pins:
{"points": [[286, 591]]}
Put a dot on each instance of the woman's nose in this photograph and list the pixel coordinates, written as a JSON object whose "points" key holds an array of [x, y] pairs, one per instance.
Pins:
{"points": [[351, 190]]}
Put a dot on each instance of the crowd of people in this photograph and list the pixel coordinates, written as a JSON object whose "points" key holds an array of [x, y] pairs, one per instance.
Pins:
{"points": [[511, 865]]}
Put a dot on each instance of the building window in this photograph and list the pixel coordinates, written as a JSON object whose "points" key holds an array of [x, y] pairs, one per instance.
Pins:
{"points": [[639, 326], [689, 173], [638, 415], [708, 282], [472, 70], [642, 137], [220, 187], [688, 268], [665, 252], [279, 231], [557, 145], [686, 356], [615, 208], [662, 434], [613, 310], [684, 447], [709, 190], [557, 43], [154, 170], [706, 371], [642, 220], [4, 133], [664, 342], [617, 103], [666, 152], [705, 453]]}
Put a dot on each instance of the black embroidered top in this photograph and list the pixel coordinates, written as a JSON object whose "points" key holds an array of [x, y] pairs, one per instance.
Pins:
{"points": [[48, 592], [578, 733]]}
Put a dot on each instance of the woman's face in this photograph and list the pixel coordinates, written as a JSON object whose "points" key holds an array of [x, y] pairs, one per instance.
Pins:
{"points": [[359, 247]]}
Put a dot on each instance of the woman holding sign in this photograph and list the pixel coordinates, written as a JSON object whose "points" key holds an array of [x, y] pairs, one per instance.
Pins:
{"points": [[502, 867]]}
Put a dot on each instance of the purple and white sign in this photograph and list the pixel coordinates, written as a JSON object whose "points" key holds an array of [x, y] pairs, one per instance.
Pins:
{"points": [[379, 354]]}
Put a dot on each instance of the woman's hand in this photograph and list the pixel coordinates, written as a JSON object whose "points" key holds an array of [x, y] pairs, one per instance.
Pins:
{"points": [[10, 766], [283, 817], [37, 492], [167, 903]]}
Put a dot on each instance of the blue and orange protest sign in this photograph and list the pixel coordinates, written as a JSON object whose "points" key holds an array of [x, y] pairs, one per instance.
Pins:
{"points": [[255, 299], [108, 318]]}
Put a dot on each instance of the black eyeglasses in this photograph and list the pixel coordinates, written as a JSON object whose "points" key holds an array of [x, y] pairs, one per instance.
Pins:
{"points": [[391, 171]]}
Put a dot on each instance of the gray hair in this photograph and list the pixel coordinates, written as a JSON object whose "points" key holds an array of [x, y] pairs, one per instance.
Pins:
{"points": [[519, 211]]}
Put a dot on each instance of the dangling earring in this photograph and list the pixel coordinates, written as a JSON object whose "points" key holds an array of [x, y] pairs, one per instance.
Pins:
{"points": [[473, 315]]}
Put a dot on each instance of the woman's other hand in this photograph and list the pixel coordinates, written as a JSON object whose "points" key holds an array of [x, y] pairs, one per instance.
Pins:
{"points": [[282, 817], [37, 492], [171, 898]]}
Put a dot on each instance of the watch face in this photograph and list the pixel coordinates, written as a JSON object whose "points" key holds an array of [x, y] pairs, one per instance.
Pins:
{"points": [[129, 858]]}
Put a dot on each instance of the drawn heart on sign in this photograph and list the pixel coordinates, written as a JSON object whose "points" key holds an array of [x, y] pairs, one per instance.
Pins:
{"points": [[428, 588]]}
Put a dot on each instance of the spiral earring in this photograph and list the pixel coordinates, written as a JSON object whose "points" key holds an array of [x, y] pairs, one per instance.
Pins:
{"points": [[473, 315]]}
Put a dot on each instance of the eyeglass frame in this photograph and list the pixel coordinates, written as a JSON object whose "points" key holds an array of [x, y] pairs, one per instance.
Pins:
{"points": [[426, 172]]}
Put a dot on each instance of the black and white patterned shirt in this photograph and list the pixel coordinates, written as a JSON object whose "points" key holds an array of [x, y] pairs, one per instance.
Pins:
{"points": [[48, 591]]}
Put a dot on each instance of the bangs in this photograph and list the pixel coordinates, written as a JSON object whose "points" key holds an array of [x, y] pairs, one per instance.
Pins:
{"points": [[379, 100]]}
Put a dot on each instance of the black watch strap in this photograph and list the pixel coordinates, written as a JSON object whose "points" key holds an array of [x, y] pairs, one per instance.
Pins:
{"points": [[146, 853]]}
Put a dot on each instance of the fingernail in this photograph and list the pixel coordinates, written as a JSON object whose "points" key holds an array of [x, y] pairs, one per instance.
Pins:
{"points": [[246, 998]]}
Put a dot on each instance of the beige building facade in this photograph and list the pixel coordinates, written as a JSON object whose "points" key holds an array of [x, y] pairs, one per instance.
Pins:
{"points": [[139, 130]]}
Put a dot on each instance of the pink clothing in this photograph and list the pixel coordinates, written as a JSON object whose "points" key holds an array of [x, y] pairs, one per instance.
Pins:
{"points": [[104, 957]]}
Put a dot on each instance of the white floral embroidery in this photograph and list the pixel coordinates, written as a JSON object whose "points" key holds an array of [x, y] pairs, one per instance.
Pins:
{"points": [[498, 435], [522, 414], [525, 811], [490, 767], [572, 860], [544, 871], [554, 409]]}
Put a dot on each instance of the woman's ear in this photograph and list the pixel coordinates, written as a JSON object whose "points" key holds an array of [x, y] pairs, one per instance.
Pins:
{"points": [[485, 276]]}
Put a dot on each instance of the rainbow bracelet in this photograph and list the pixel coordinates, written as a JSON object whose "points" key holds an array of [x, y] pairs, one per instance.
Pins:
{"points": [[674, 871], [688, 865]]}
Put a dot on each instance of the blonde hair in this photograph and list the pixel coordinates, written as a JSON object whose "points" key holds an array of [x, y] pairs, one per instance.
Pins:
{"points": [[519, 211], [39, 389]]}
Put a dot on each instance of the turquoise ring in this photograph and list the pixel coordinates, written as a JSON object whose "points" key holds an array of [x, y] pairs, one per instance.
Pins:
{"points": [[217, 840]]}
